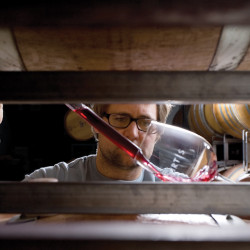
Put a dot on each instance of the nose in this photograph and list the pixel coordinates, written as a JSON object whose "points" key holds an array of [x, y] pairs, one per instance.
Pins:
{"points": [[131, 132]]}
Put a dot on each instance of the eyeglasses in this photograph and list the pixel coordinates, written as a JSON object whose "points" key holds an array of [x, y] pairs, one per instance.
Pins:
{"points": [[123, 121]]}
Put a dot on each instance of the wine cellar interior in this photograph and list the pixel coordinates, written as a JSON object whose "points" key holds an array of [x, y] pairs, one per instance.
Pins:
{"points": [[25, 147], [192, 54]]}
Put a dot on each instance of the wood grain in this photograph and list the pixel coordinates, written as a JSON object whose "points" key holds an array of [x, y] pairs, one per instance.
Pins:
{"points": [[116, 198], [117, 48], [9, 55], [124, 86]]}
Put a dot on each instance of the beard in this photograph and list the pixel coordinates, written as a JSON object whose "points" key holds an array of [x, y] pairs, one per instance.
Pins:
{"points": [[119, 159]]}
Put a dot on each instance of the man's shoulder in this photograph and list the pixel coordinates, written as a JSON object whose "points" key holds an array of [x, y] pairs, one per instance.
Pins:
{"points": [[77, 169], [83, 161]]}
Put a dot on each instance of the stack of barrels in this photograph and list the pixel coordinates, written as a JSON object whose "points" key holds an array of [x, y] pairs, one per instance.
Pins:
{"points": [[212, 121]]}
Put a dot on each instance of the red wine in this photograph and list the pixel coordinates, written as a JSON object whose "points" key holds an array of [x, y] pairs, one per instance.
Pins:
{"points": [[206, 174]]}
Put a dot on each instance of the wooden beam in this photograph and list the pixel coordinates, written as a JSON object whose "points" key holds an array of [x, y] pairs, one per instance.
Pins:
{"points": [[125, 13], [9, 55], [116, 198], [123, 235], [124, 86]]}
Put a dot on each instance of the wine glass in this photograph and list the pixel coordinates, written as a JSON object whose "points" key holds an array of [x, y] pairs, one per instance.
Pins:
{"points": [[179, 155]]}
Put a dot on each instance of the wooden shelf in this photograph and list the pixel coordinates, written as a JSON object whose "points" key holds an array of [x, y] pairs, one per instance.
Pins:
{"points": [[124, 86], [116, 198]]}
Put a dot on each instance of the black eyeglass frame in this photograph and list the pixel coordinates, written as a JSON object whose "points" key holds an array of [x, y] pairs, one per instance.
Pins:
{"points": [[131, 120]]}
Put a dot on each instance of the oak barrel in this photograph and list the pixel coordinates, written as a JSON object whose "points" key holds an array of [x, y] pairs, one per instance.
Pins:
{"points": [[233, 118], [214, 120], [198, 117], [237, 173], [77, 127]]}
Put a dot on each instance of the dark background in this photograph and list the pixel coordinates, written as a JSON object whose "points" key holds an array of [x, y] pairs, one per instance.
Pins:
{"points": [[34, 136]]}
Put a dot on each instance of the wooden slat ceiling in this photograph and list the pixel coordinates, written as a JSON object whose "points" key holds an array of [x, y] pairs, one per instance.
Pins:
{"points": [[123, 36]]}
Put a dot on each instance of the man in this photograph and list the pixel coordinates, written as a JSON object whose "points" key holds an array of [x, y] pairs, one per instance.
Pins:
{"points": [[111, 163]]}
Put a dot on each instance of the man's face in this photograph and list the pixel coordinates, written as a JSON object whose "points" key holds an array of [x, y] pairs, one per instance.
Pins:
{"points": [[117, 156]]}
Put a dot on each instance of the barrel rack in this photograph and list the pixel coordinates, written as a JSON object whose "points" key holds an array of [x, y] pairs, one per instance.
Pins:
{"points": [[227, 161], [180, 87]]}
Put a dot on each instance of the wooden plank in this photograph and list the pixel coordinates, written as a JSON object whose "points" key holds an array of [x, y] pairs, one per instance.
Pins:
{"points": [[123, 235], [125, 12], [9, 55], [117, 48], [125, 86], [116, 198]]}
